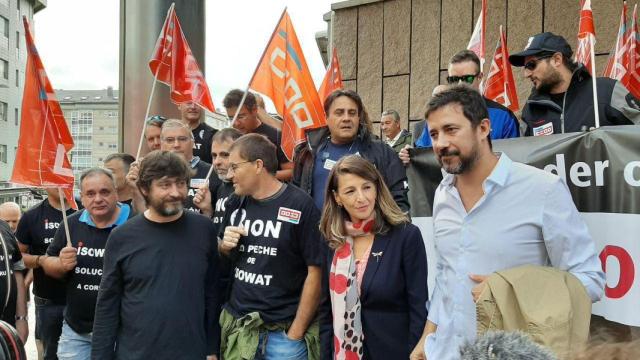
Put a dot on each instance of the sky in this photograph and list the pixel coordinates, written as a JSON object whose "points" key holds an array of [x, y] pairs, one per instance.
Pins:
{"points": [[78, 40]]}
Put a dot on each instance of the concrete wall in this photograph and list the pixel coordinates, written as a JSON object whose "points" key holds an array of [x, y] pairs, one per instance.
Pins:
{"points": [[395, 52]]}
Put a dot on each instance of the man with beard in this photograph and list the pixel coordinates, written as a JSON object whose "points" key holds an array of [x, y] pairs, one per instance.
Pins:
{"points": [[193, 116], [158, 296], [492, 214], [177, 138], [77, 259], [561, 100], [220, 146]]}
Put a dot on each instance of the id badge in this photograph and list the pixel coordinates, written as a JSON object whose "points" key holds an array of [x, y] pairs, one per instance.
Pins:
{"points": [[195, 183], [328, 164]]}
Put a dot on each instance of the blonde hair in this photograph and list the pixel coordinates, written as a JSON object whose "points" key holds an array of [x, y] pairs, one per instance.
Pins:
{"points": [[387, 212], [177, 124]]}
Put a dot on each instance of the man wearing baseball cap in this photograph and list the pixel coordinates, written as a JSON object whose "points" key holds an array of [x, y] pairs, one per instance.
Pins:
{"points": [[561, 100]]}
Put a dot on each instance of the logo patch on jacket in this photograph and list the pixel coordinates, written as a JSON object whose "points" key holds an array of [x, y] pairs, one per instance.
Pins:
{"points": [[546, 129]]}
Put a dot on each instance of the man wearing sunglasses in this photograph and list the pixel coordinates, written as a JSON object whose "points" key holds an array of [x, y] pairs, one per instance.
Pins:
{"points": [[464, 68], [561, 100]]}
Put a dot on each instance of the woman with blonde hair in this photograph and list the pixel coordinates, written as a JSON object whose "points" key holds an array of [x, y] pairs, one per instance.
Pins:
{"points": [[375, 278]]}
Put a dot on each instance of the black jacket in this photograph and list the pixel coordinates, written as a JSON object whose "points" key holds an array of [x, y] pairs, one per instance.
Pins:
{"points": [[376, 151], [393, 296], [616, 106]]}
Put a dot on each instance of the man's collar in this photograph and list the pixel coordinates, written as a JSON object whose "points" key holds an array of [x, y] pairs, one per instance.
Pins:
{"points": [[124, 215], [396, 137]]}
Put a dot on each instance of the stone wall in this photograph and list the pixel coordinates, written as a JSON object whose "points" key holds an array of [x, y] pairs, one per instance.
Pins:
{"points": [[395, 52]]}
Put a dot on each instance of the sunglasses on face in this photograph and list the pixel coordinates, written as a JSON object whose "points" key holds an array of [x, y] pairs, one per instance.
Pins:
{"points": [[451, 80], [531, 64]]}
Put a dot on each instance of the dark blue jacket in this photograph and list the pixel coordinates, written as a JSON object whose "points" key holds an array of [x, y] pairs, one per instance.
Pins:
{"points": [[393, 296], [504, 124]]}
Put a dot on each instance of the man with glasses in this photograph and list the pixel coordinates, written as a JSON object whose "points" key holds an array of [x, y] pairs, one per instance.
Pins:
{"points": [[178, 138], [562, 96], [464, 68]]}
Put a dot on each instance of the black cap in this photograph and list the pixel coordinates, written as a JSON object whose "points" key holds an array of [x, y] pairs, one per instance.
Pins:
{"points": [[542, 43]]}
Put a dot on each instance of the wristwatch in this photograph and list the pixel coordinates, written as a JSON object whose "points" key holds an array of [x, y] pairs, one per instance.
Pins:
{"points": [[24, 317]]}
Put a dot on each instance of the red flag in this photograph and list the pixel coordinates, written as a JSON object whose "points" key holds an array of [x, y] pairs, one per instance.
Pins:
{"points": [[499, 85], [615, 68], [45, 140], [177, 67], [332, 79], [476, 43], [586, 37], [631, 59], [283, 75]]}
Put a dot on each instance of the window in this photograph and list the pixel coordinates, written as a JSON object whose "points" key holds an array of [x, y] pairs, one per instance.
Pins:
{"points": [[4, 68], [4, 22], [17, 78], [18, 5], [3, 111], [113, 146], [3, 153], [16, 117], [18, 40]]}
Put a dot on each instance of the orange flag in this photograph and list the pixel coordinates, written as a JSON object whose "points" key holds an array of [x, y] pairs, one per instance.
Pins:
{"points": [[476, 43], [332, 79], [45, 140], [615, 68], [283, 76], [177, 67], [500, 86], [631, 59]]}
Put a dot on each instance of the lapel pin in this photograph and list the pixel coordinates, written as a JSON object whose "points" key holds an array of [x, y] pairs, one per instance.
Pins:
{"points": [[377, 255]]}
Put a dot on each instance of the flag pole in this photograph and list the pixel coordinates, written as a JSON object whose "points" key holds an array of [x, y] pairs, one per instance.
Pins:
{"points": [[246, 91], [64, 216], [153, 88], [593, 82]]}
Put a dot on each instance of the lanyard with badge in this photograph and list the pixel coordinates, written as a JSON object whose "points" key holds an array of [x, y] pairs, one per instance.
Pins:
{"points": [[325, 156]]}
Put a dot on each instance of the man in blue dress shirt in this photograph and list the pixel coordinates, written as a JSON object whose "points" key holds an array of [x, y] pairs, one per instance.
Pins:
{"points": [[491, 214]]}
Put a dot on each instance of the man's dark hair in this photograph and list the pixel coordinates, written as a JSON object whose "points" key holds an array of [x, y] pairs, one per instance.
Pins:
{"points": [[234, 97], [126, 159], [472, 103], [97, 171], [226, 134], [365, 123], [158, 164], [255, 146], [464, 56]]}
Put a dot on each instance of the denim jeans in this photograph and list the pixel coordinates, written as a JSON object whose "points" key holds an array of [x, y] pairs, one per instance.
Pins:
{"points": [[49, 317], [73, 346], [275, 345]]}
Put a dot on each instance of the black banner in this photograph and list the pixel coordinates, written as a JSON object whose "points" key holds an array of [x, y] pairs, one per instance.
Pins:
{"points": [[601, 168]]}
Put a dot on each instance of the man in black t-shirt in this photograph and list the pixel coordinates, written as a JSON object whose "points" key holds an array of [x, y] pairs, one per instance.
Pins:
{"points": [[13, 295], [192, 116], [272, 239], [35, 232], [177, 138], [158, 296], [247, 122], [78, 260]]}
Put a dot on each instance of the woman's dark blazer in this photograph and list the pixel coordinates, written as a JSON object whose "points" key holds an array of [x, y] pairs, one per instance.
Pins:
{"points": [[393, 296]]}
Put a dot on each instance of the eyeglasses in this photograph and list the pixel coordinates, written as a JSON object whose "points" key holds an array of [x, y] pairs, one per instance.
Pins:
{"points": [[156, 119], [451, 80], [172, 140], [234, 167], [531, 65]]}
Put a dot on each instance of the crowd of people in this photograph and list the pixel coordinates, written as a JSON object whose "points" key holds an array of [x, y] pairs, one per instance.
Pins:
{"points": [[216, 245]]}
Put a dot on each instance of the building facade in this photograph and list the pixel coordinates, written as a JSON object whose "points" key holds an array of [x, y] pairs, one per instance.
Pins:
{"points": [[92, 118], [394, 52], [13, 60]]}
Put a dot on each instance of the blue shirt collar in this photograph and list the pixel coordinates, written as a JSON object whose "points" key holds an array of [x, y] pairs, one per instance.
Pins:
{"points": [[194, 161], [124, 215], [498, 176]]}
